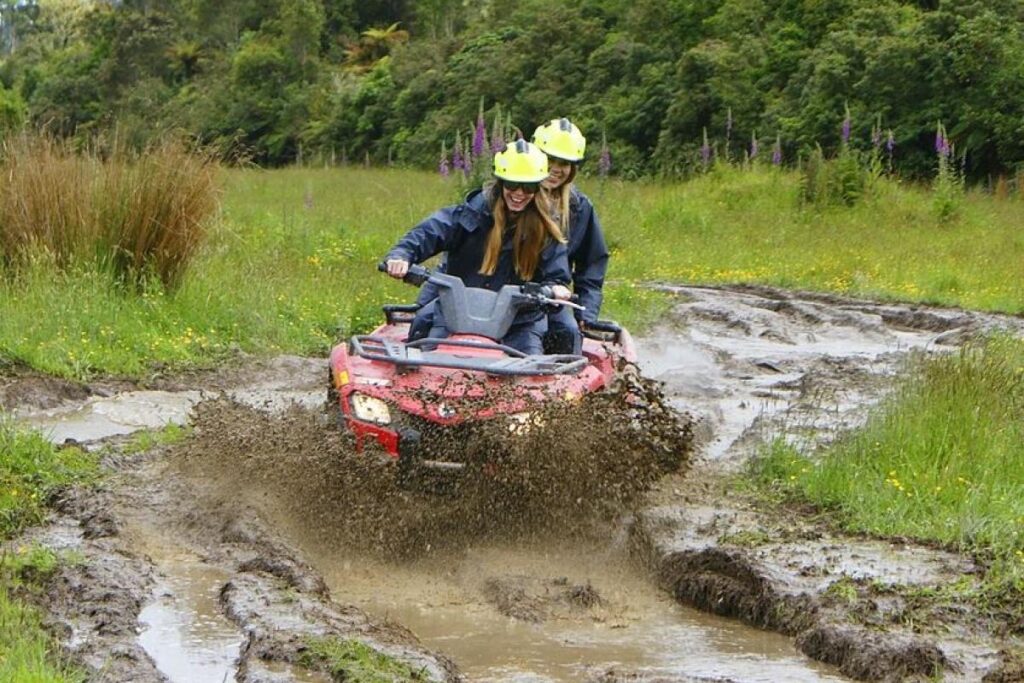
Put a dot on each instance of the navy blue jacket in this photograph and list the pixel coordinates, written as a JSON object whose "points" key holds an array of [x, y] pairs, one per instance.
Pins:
{"points": [[462, 231], [588, 254]]}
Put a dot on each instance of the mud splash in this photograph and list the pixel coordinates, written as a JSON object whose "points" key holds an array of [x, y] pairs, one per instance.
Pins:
{"points": [[580, 464]]}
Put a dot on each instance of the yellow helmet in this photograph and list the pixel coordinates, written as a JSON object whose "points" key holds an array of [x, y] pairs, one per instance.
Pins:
{"points": [[561, 138], [521, 162]]}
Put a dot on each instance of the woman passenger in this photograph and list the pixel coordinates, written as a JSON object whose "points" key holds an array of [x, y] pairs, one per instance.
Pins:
{"points": [[564, 145]]}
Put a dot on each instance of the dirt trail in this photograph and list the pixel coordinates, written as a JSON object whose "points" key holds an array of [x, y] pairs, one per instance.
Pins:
{"points": [[259, 533], [755, 363]]}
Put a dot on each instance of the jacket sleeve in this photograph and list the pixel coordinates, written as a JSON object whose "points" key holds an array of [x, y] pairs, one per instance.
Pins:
{"points": [[589, 261], [430, 237], [554, 265]]}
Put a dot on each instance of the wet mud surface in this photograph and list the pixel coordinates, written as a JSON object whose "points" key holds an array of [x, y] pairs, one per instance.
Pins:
{"points": [[226, 555]]}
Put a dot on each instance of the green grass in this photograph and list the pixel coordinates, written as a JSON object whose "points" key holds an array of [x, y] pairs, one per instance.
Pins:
{"points": [[941, 461], [735, 226], [147, 439], [28, 654], [31, 470], [354, 662], [289, 266]]}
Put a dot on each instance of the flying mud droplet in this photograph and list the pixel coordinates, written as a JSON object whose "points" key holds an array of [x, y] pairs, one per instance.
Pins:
{"points": [[572, 466]]}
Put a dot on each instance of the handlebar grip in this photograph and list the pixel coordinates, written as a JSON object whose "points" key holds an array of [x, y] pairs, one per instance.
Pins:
{"points": [[605, 326], [417, 274]]}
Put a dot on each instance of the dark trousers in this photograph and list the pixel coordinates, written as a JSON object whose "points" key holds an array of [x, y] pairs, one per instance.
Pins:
{"points": [[564, 334]]}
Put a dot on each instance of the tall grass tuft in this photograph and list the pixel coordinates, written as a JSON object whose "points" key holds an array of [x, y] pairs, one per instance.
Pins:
{"points": [[134, 215]]}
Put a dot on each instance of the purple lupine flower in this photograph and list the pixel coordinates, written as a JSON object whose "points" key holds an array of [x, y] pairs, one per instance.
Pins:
{"points": [[847, 121], [890, 142], [442, 166], [604, 161], [753, 145], [728, 123], [479, 136], [705, 150], [942, 145], [458, 160], [777, 151], [497, 134]]}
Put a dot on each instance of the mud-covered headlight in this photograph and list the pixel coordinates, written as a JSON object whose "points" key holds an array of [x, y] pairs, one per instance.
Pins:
{"points": [[522, 424], [370, 409]]}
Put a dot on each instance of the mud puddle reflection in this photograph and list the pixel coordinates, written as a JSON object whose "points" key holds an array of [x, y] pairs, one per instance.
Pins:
{"points": [[184, 629]]}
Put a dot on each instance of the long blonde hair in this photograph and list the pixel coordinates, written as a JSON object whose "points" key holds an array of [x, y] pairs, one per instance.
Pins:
{"points": [[533, 228], [558, 200]]}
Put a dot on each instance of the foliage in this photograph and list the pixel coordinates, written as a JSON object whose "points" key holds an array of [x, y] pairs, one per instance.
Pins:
{"points": [[12, 110], [351, 660], [948, 187], [843, 180], [276, 81], [31, 470], [28, 653]]}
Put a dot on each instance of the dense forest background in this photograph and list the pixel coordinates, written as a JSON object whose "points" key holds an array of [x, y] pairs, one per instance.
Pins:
{"points": [[280, 81]]}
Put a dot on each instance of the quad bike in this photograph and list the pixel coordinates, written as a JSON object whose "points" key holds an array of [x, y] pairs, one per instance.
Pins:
{"points": [[416, 401]]}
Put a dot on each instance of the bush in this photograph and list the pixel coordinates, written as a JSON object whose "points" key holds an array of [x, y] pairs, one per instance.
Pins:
{"points": [[135, 215], [12, 110], [842, 181]]}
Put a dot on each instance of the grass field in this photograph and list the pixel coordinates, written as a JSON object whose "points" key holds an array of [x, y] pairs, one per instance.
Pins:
{"points": [[289, 265]]}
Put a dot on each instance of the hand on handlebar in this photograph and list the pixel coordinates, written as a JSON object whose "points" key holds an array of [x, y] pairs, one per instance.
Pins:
{"points": [[397, 268], [560, 292]]}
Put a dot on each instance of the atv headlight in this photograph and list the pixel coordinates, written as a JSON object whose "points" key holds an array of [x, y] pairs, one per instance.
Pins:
{"points": [[370, 409], [521, 424]]}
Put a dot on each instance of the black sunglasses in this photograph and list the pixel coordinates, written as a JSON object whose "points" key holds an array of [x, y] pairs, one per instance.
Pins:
{"points": [[528, 188]]}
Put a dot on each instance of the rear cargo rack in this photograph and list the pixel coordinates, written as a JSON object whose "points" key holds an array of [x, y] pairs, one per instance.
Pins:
{"points": [[421, 353]]}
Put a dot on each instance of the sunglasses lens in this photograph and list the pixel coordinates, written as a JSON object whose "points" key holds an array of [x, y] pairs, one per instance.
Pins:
{"points": [[529, 188]]}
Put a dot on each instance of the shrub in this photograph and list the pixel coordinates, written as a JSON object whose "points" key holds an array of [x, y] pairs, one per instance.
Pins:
{"points": [[843, 180], [134, 214]]}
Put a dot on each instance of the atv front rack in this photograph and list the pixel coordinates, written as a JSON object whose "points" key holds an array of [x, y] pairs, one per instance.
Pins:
{"points": [[421, 353]]}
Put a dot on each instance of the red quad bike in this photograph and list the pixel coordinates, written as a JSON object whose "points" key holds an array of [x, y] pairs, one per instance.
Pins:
{"points": [[418, 400]]}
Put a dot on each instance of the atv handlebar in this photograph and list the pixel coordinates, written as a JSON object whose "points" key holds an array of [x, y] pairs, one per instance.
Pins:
{"points": [[533, 291], [543, 295], [417, 275]]}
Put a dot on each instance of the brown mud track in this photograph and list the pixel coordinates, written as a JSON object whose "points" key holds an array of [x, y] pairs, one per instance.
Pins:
{"points": [[261, 493]]}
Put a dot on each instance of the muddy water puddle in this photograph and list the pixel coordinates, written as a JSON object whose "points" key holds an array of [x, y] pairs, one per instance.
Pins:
{"points": [[734, 358], [455, 604], [183, 628]]}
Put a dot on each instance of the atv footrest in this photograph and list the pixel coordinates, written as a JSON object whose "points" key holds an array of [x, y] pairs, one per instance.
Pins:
{"points": [[423, 353]]}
